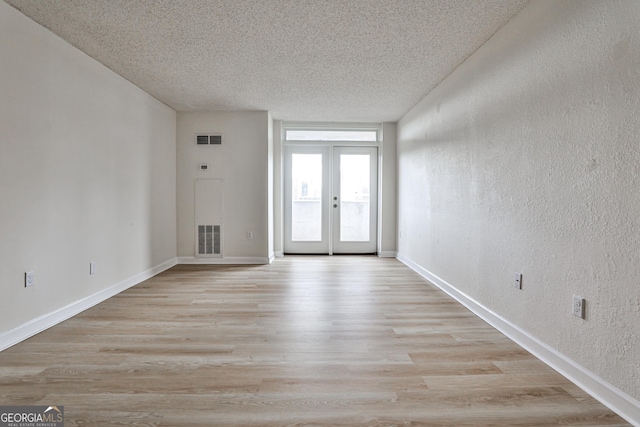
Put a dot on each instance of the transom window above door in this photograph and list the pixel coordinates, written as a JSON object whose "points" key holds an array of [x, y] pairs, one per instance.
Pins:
{"points": [[332, 135]]}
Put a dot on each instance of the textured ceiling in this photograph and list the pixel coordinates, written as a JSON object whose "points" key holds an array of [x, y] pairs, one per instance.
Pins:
{"points": [[324, 60]]}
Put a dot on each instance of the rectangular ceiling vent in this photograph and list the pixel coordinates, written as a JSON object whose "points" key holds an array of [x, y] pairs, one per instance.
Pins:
{"points": [[209, 139]]}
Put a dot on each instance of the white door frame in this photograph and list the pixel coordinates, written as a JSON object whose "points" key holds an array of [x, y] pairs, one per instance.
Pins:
{"points": [[327, 148]]}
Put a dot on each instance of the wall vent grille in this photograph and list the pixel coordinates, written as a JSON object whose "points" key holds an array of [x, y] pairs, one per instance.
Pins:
{"points": [[209, 139], [208, 240]]}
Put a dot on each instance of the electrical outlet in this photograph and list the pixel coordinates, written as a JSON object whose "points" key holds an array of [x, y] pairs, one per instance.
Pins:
{"points": [[517, 283], [92, 268], [578, 306], [29, 279], [250, 235]]}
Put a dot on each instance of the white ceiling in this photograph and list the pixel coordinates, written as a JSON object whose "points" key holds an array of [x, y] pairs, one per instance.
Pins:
{"points": [[316, 60]]}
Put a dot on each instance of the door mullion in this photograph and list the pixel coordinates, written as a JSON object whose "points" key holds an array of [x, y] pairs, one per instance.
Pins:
{"points": [[330, 182]]}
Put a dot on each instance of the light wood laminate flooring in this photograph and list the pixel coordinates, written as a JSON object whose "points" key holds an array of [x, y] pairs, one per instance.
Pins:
{"points": [[306, 341]]}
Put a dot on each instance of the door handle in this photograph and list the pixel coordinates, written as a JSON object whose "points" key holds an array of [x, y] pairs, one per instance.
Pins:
{"points": [[335, 205]]}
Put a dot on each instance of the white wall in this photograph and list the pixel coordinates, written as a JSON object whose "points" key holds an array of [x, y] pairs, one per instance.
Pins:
{"points": [[270, 191], [87, 173], [388, 181], [527, 159], [278, 177], [242, 161]]}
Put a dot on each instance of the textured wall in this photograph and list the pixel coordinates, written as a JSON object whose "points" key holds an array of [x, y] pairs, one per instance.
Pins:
{"points": [[388, 202], [87, 174], [278, 231], [527, 158], [243, 162], [270, 191]]}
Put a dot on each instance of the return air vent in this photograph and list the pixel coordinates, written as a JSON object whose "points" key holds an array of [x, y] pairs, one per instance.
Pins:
{"points": [[209, 139], [209, 221], [208, 240]]}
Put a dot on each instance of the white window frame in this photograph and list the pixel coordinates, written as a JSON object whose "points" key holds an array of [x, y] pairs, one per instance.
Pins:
{"points": [[338, 127]]}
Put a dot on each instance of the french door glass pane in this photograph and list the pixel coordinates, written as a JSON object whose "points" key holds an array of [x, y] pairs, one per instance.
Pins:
{"points": [[306, 192], [354, 197]]}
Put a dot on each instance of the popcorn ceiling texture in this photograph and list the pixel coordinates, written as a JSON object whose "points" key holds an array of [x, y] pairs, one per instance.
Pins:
{"points": [[331, 60]]}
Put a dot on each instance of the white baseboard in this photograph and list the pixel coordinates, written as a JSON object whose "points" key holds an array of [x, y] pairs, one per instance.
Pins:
{"points": [[279, 254], [387, 254], [616, 400], [224, 261], [46, 321]]}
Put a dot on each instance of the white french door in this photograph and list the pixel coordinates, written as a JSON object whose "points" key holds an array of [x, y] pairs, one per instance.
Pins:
{"points": [[354, 200], [330, 199], [306, 198]]}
